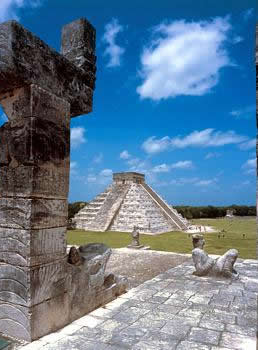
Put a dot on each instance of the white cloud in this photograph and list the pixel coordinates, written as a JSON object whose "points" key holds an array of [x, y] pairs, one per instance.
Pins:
{"points": [[244, 113], [248, 14], [247, 145], [206, 138], [246, 183], [183, 181], [77, 136], [102, 178], [125, 155], [73, 165], [186, 164], [237, 39], [203, 138], [153, 145], [91, 178], [106, 172], [73, 168], [134, 162], [206, 182], [212, 155], [249, 164], [165, 168], [113, 50], [9, 8], [98, 158], [194, 181], [185, 58], [162, 168]]}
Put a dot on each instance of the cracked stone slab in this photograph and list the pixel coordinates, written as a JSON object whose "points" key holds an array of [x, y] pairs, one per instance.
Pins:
{"points": [[189, 345], [204, 336], [176, 329], [196, 326], [154, 345]]}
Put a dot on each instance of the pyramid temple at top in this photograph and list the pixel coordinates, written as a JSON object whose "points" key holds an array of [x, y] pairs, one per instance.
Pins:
{"points": [[126, 203]]}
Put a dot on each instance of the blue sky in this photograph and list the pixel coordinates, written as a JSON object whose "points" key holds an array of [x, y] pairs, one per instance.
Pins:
{"points": [[174, 98]]}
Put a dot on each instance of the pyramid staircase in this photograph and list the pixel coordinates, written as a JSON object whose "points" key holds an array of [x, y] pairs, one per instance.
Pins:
{"points": [[172, 213], [129, 202], [98, 214], [88, 214]]}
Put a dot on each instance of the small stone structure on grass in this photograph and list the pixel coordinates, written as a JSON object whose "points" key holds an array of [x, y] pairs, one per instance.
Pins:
{"points": [[205, 265], [230, 213], [127, 202], [136, 240], [40, 291]]}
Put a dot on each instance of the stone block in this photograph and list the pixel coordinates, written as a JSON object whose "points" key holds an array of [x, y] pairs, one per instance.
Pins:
{"points": [[50, 315], [30, 323], [33, 101], [26, 60], [78, 44], [31, 286], [15, 320], [30, 142], [32, 247], [23, 213], [47, 245], [33, 181]]}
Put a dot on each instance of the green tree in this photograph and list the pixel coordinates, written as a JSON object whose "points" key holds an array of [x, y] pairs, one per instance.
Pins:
{"points": [[73, 208]]}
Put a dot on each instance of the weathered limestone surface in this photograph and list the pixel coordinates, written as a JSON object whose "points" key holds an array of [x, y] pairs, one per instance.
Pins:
{"points": [[129, 202], [26, 60], [176, 310], [40, 291], [205, 265], [257, 134]]}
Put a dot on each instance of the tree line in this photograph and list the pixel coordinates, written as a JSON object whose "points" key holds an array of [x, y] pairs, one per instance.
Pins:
{"points": [[74, 207], [188, 212], [210, 211]]}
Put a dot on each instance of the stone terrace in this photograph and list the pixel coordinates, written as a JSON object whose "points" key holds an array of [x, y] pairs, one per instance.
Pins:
{"points": [[175, 310]]}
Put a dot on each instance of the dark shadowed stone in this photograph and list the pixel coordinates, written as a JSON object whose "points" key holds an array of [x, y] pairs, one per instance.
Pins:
{"points": [[74, 257], [25, 60], [41, 289], [109, 280]]}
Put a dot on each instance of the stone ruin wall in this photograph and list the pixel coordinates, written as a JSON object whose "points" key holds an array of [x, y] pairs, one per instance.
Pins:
{"points": [[40, 89]]}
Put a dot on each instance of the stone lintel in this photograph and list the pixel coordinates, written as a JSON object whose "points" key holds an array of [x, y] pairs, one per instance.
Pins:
{"points": [[26, 60]]}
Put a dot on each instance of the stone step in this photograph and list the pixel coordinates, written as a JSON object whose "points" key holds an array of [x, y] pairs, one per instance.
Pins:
{"points": [[172, 213]]}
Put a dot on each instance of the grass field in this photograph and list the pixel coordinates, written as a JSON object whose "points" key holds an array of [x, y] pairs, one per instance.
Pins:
{"points": [[179, 242]]}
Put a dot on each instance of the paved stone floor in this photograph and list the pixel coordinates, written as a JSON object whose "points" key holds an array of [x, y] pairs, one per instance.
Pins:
{"points": [[175, 310]]}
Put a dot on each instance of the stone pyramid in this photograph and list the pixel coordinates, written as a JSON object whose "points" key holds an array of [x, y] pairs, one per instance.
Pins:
{"points": [[126, 203]]}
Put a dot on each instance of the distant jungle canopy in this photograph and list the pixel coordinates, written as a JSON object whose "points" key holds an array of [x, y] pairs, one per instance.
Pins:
{"points": [[214, 212], [187, 211]]}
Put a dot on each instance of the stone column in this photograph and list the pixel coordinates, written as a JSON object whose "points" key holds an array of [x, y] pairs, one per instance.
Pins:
{"points": [[39, 90], [34, 183]]}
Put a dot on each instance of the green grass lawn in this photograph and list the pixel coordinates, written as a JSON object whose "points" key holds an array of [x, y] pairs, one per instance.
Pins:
{"points": [[179, 242]]}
